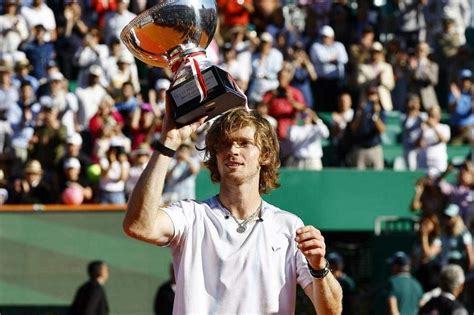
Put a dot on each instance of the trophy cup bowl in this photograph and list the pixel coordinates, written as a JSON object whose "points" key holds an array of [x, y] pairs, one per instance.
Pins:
{"points": [[175, 34]]}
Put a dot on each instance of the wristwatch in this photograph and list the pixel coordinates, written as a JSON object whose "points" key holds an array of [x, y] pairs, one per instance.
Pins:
{"points": [[319, 273]]}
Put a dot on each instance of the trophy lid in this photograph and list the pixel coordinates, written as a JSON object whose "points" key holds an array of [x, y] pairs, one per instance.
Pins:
{"points": [[169, 28]]}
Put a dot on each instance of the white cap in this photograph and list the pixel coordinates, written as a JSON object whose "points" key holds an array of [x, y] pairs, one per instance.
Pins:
{"points": [[95, 70], [266, 37], [56, 76], [162, 84], [327, 31], [46, 101], [75, 139], [377, 46], [72, 162], [125, 58]]}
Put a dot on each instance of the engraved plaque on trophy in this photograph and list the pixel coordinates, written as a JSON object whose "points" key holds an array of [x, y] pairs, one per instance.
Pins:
{"points": [[175, 34]]}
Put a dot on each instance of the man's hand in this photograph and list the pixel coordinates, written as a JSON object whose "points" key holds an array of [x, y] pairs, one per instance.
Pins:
{"points": [[172, 135], [311, 244]]}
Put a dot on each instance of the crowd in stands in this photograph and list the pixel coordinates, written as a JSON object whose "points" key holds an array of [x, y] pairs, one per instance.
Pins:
{"points": [[324, 73]]}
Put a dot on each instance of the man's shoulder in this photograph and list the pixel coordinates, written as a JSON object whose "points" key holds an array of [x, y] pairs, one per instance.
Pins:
{"points": [[280, 214]]}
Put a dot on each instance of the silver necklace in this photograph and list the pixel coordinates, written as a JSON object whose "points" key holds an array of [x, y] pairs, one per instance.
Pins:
{"points": [[242, 226]]}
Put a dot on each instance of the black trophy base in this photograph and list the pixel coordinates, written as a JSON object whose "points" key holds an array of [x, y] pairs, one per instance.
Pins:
{"points": [[221, 96]]}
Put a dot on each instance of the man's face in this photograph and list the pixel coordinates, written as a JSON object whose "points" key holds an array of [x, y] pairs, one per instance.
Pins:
{"points": [[239, 159]]}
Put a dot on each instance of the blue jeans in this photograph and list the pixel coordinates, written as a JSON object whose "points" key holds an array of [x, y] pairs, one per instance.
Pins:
{"points": [[113, 197]]}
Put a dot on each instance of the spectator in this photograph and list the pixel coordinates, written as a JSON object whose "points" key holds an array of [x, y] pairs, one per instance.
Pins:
{"points": [[40, 14], [116, 20], [164, 297], [433, 152], [139, 157], [412, 122], [73, 150], [460, 108], [91, 56], [378, 73], [329, 58], [115, 169], [411, 21], [456, 240], [305, 142], [305, 74], [428, 198], [340, 119], [90, 97], [65, 102], [144, 125], [71, 173], [22, 69], [426, 251], [126, 71], [72, 28], [359, 53], [105, 115], [32, 188], [446, 45], [403, 291], [366, 129], [266, 64], [423, 76], [458, 10], [234, 13], [240, 72], [49, 137], [157, 96], [39, 52], [460, 193], [347, 283], [181, 177], [90, 298], [13, 29], [10, 112], [283, 104], [23, 130], [398, 58], [451, 284]]}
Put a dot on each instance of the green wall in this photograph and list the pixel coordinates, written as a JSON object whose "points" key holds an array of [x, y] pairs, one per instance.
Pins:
{"points": [[43, 255], [337, 199]]}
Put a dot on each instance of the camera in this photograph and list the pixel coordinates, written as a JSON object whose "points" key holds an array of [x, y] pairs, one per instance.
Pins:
{"points": [[118, 149]]}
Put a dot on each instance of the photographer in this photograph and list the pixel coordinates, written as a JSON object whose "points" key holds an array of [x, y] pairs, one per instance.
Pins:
{"points": [[283, 104], [114, 173], [367, 128]]}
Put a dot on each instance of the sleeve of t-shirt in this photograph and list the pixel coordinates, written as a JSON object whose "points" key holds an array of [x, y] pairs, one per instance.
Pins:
{"points": [[177, 213]]}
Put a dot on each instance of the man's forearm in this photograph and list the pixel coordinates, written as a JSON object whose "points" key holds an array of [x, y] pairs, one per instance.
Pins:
{"points": [[327, 295], [146, 196]]}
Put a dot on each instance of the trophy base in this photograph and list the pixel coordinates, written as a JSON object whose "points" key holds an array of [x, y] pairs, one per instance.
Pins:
{"points": [[221, 96]]}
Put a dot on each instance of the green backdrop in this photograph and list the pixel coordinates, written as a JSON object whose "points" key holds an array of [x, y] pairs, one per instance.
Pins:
{"points": [[43, 255]]}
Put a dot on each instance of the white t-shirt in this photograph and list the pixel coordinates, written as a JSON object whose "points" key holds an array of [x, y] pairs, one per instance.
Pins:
{"points": [[306, 140], [112, 182], [89, 101], [220, 271], [42, 15], [435, 154]]}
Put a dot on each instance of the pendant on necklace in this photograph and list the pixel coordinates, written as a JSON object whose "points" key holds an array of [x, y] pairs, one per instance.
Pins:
{"points": [[241, 229]]}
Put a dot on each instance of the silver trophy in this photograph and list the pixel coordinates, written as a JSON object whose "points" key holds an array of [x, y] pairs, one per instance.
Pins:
{"points": [[175, 34]]}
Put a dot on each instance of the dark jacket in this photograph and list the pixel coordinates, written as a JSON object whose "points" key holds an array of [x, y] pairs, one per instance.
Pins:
{"points": [[90, 299]]}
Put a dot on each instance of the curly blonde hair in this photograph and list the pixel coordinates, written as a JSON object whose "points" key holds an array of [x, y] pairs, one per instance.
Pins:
{"points": [[265, 139]]}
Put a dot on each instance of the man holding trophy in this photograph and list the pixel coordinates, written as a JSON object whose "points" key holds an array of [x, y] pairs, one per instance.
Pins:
{"points": [[233, 253]]}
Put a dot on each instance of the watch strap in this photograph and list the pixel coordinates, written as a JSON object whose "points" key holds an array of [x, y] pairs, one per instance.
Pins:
{"points": [[160, 147], [319, 273]]}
